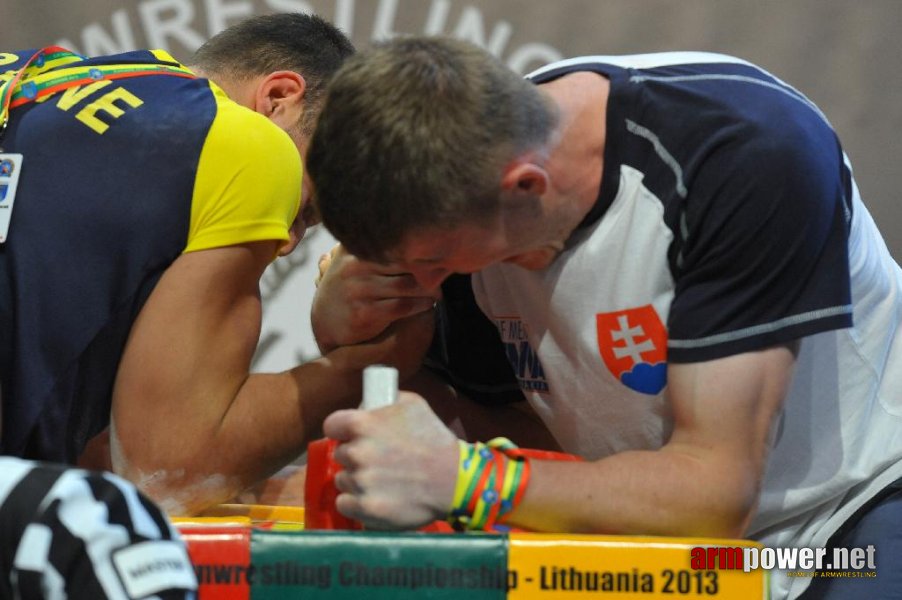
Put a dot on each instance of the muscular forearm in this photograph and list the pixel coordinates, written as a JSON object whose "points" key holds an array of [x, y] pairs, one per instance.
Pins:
{"points": [[201, 462], [209, 454], [704, 481], [666, 492]]}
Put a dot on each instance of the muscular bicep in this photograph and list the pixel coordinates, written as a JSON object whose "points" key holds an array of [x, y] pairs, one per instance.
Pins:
{"points": [[724, 411], [188, 355]]}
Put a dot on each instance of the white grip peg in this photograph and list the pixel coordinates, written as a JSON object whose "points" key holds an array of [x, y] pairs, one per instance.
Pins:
{"points": [[380, 387]]}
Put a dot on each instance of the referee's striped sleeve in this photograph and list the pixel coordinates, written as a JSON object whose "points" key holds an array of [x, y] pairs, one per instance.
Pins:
{"points": [[72, 534]]}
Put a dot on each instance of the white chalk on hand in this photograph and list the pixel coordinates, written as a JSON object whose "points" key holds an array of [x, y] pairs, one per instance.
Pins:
{"points": [[380, 387]]}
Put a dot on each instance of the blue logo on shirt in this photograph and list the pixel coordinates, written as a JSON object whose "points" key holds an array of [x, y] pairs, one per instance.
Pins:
{"points": [[646, 378], [521, 355]]}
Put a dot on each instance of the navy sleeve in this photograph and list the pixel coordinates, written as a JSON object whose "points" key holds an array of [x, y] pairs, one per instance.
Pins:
{"points": [[761, 257]]}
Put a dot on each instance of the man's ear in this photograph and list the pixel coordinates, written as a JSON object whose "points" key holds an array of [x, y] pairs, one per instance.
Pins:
{"points": [[280, 97], [524, 176]]}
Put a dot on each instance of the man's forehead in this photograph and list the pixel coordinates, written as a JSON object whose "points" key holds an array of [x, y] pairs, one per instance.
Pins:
{"points": [[419, 249], [458, 247]]}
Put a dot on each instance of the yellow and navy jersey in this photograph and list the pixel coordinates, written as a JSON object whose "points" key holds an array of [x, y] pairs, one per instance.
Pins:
{"points": [[119, 177]]}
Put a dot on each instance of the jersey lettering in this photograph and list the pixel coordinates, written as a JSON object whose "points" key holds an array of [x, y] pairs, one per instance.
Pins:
{"points": [[107, 104], [74, 95], [521, 355]]}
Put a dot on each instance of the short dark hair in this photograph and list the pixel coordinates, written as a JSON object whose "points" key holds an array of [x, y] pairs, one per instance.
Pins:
{"points": [[415, 133], [303, 43]]}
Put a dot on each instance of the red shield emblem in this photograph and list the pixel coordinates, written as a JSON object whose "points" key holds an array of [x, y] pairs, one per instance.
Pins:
{"points": [[633, 345]]}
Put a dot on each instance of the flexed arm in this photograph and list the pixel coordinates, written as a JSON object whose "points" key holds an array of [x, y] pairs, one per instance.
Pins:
{"points": [[401, 462], [190, 424]]}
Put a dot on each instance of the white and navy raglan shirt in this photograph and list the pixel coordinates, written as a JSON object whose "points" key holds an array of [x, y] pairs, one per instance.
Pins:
{"points": [[67, 533], [727, 222]]}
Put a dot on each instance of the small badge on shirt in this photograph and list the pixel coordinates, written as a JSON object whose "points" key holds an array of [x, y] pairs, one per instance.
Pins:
{"points": [[154, 566], [10, 170], [633, 345]]}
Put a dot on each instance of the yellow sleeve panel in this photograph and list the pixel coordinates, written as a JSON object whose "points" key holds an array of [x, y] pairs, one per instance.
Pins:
{"points": [[248, 183]]}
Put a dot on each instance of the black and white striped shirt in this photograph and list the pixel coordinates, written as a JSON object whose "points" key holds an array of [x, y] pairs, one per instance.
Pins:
{"points": [[67, 533]]}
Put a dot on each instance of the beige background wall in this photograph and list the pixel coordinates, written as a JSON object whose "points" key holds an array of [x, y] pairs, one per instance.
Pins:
{"points": [[845, 55]]}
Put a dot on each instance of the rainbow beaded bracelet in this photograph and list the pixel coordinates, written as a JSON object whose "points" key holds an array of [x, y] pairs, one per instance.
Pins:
{"points": [[491, 482]]}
